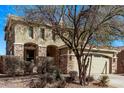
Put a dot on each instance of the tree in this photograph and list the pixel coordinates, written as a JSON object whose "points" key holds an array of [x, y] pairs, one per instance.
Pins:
{"points": [[81, 27]]}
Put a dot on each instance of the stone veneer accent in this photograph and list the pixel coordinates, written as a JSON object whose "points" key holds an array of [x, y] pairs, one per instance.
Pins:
{"points": [[19, 50], [41, 51], [63, 59], [66, 65], [63, 64], [114, 65], [120, 62]]}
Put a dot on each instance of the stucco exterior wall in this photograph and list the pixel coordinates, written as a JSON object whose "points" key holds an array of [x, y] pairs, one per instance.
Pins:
{"points": [[22, 36], [72, 64], [102, 62]]}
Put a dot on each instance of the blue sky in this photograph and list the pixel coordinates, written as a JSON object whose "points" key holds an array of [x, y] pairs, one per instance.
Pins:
{"points": [[5, 10]]}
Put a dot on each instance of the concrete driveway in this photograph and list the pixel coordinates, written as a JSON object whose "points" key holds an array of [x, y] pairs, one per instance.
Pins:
{"points": [[116, 80]]}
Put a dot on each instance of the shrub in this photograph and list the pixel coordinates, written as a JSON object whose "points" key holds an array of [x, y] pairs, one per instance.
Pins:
{"points": [[40, 83], [14, 66], [50, 75], [73, 75], [47, 81], [46, 65], [29, 65], [89, 78], [39, 61], [62, 84], [103, 81]]}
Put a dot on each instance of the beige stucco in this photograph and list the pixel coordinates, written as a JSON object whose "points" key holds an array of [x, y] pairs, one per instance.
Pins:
{"points": [[22, 36], [102, 61]]}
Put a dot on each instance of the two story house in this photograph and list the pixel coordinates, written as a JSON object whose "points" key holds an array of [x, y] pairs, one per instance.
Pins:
{"points": [[30, 40]]}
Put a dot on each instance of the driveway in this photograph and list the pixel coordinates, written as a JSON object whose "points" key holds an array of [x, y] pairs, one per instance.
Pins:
{"points": [[116, 80]]}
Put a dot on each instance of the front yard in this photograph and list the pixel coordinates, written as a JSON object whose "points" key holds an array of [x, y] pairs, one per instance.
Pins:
{"points": [[24, 82]]}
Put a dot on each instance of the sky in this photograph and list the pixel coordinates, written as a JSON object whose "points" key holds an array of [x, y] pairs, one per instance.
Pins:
{"points": [[5, 10]]}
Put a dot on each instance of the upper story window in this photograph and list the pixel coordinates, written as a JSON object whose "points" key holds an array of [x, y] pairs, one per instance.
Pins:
{"points": [[42, 33], [70, 51], [30, 31], [70, 57], [53, 36]]}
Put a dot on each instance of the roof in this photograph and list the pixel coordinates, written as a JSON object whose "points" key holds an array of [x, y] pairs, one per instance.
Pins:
{"points": [[20, 19], [14, 19], [120, 48], [97, 49]]}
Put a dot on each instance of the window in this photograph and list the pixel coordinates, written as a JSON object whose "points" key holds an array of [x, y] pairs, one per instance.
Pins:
{"points": [[30, 32], [70, 57], [42, 33], [53, 36], [70, 51]]}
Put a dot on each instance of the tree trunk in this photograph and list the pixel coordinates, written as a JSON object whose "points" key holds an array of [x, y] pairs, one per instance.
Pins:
{"points": [[80, 77], [79, 69], [84, 76], [82, 71], [89, 69]]}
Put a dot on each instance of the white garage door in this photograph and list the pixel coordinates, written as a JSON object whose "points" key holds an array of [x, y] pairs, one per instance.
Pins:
{"points": [[100, 64]]}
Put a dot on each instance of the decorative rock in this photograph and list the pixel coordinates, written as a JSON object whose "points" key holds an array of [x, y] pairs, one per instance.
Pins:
{"points": [[35, 69]]}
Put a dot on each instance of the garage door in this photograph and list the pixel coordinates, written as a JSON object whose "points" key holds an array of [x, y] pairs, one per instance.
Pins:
{"points": [[100, 64]]}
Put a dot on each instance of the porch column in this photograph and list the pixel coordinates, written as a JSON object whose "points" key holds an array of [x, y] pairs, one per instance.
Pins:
{"points": [[114, 65], [41, 51], [19, 50]]}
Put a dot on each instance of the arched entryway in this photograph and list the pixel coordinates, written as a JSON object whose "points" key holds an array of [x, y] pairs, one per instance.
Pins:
{"points": [[53, 51], [30, 51]]}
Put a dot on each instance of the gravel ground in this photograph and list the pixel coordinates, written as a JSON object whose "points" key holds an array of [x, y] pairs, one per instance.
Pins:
{"points": [[23, 82], [17, 82], [72, 85]]}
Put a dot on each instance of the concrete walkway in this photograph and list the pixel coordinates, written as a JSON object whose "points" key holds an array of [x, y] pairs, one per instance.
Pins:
{"points": [[116, 80]]}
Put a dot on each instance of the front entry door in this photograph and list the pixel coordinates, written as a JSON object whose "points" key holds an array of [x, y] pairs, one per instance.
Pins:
{"points": [[53, 51], [30, 55], [30, 51]]}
